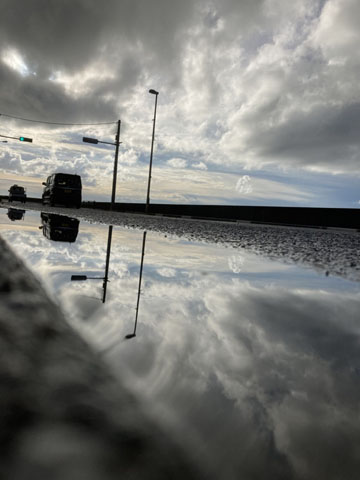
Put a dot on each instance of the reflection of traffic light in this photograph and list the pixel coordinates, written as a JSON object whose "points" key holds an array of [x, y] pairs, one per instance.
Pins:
{"points": [[25, 139]]}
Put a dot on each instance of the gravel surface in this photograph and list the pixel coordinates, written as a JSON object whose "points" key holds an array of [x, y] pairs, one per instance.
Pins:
{"points": [[329, 251]]}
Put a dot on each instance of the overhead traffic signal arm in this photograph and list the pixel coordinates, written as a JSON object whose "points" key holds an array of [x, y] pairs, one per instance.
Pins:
{"points": [[22, 139]]}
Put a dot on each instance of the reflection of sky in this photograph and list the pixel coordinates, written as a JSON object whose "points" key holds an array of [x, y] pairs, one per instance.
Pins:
{"points": [[255, 361]]}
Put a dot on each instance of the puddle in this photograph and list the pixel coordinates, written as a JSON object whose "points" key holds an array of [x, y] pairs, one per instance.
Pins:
{"points": [[253, 358]]}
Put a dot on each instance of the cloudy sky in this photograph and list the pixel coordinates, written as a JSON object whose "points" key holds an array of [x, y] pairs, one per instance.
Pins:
{"points": [[259, 100]]}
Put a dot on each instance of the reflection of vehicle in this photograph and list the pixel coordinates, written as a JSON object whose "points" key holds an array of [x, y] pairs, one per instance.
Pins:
{"points": [[59, 228], [63, 189], [15, 214], [16, 192]]}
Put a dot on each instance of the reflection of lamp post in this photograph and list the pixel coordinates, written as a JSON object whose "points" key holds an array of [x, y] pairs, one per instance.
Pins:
{"points": [[154, 92], [117, 144], [106, 276], [133, 334], [107, 262]]}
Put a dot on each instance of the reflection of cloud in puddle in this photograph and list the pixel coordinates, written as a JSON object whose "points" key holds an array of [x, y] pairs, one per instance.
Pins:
{"points": [[167, 272], [238, 350], [80, 306], [268, 366], [236, 263]]}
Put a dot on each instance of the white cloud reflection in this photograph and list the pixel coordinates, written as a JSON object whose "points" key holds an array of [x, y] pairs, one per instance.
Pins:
{"points": [[250, 358]]}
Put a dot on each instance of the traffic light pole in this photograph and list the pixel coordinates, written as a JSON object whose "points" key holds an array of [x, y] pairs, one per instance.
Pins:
{"points": [[117, 144], [95, 141], [107, 263]]}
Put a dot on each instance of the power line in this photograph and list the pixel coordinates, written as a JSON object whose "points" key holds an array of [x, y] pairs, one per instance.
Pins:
{"points": [[55, 123]]}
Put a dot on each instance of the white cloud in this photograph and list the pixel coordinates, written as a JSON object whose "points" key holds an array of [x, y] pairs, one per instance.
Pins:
{"points": [[244, 85], [177, 162], [199, 166], [236, 263], [11, 162], [243, 185], [337, 32], [167, 272]]}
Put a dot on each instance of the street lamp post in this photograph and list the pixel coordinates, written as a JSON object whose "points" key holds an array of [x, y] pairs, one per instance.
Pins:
{"points": [[133, 334], [153, 92], [117, 144]]}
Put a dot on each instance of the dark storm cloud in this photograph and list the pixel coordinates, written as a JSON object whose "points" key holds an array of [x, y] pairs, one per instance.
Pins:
{"points": [[47, 100], [57, 34], [120, 39], [307, 325], [325, 135]]}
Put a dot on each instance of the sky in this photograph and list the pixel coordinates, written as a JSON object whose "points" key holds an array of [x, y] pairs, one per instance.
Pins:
{"points": [[259, 100]]}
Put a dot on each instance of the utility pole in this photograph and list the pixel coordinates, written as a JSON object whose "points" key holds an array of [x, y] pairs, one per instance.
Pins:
{"points": [[95, 141], [107, 263], [117, 143]]}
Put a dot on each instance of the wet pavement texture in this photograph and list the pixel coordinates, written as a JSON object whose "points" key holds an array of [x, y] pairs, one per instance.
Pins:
{"points": [[331, 251], [242, 339]]}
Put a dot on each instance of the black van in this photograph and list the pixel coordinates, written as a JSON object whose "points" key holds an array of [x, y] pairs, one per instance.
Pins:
{"points": [[59, 228], [62, 189]]}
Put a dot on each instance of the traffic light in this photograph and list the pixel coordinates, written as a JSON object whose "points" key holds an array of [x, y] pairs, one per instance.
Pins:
{"points": [[90, 140], [25, 139]]}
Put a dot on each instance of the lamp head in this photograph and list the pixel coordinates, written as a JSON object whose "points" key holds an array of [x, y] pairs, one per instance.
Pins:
{"points": [[154, 92]]}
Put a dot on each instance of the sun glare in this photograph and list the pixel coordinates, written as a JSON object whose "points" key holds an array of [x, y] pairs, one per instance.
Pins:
{"points": [[14, 60]]}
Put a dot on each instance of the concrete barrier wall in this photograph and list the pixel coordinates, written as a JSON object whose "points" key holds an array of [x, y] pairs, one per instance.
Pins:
{"points": [[322, 217], [307, 216]]}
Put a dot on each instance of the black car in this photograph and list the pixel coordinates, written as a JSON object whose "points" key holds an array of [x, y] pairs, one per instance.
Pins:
{"points": [[15, 214], [59, 228], [16, 192], [62, 189]]}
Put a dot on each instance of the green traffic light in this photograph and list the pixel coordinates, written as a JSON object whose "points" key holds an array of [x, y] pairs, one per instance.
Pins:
{"points": [[25, 139]]}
